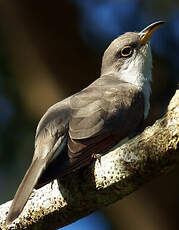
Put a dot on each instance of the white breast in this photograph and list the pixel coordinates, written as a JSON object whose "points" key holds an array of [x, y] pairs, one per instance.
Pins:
{"points": [[137, 70]]}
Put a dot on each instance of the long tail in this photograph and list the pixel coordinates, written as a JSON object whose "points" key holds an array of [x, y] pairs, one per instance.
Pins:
{"points": [[28, 183]]}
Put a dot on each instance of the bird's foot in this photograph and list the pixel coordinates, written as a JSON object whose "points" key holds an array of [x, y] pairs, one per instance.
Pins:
{"points": [[52, 183], [98, 157]]}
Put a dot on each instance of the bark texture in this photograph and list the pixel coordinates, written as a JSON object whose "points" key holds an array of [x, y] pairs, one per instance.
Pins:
{"points": [[119, 172]]}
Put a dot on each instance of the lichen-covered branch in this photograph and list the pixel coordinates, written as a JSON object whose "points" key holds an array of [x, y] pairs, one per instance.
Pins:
{"points": [[118, 173]]}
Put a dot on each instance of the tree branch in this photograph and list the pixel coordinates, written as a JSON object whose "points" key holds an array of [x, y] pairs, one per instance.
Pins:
{"points": [[120, 172]]}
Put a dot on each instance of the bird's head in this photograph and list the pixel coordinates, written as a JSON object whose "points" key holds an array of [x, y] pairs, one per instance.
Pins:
{"points": [[129, 57]]}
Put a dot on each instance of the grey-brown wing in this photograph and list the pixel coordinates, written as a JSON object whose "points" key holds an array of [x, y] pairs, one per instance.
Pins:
{"points": [[52, 127], [99, 117], [102, 115], [51, 141], [51, 135]]}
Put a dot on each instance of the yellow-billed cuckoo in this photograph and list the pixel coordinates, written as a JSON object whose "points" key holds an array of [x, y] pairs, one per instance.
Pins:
{"points": [[92, 121]]}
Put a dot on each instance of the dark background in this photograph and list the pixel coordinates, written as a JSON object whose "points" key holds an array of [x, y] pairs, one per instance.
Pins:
{"points": [[52, 49]]}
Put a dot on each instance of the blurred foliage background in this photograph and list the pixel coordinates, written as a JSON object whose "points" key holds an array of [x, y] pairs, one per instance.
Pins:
{"points": [[52, 49]]}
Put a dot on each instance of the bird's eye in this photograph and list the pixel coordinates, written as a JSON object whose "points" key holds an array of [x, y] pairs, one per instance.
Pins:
{"points": [[126, 51]]}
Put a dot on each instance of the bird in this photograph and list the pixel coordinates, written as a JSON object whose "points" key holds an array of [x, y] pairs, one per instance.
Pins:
{"points": [[95, 119]]}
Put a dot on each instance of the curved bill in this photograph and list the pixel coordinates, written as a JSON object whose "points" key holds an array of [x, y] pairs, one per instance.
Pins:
{"points": [[148, 31]]}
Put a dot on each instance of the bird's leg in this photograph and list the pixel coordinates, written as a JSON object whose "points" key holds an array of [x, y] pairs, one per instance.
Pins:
{"points": [[52, 183], [97, 156]]}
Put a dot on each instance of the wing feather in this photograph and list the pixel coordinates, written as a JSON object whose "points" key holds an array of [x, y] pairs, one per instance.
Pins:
{"points": [[103, 113]]}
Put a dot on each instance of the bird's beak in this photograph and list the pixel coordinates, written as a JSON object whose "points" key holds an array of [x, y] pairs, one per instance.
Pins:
{"points": [[148, 31]]}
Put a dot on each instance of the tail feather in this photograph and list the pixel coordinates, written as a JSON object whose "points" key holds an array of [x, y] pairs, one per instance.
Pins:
{"points": [[28, 183]]}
